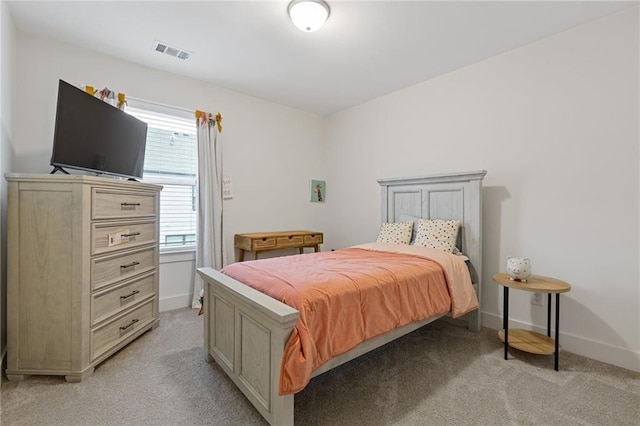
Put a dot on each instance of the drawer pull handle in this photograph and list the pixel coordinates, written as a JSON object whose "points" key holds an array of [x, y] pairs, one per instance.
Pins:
{"points": [[129, 204], [133, 293], [290, 236], [133, 321], [129, 265], [132, 234], [264, 239]]}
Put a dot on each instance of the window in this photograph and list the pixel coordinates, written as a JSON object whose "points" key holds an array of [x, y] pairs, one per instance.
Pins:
{"points": [[171, 161]]}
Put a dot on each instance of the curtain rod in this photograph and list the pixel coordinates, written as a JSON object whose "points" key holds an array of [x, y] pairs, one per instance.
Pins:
{"points": [[217, 117], [135, 99]]}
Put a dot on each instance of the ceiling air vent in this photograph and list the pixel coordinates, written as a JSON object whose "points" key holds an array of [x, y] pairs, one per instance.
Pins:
{"points": [[176, 52]]}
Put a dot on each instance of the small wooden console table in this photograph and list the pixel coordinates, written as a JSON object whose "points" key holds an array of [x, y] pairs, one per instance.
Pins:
{"points": [[525, 340], [266, 241]]}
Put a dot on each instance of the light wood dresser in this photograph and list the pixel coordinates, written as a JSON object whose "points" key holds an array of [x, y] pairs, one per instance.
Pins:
{"points": [[267, 241], [82, 271]]}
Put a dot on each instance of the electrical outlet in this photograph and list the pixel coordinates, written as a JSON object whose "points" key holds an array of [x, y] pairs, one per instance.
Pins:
{"points": [[536, 299]]}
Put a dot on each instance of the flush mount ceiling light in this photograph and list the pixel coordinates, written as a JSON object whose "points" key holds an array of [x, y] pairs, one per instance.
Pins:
{"points": [[308, 15]]}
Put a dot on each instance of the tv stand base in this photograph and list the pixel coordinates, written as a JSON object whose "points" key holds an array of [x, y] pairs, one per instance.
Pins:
{"points": [[58, 169]]}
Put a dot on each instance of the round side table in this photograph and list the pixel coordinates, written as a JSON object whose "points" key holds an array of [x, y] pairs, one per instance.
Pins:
{"points": [[525, 340]]}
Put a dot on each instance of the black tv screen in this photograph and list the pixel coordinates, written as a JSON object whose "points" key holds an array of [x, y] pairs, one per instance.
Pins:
{"points": [[95, 136]]}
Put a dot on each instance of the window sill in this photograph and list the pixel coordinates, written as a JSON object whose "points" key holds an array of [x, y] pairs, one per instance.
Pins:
{"points": [[182, 249], [177, 254]]}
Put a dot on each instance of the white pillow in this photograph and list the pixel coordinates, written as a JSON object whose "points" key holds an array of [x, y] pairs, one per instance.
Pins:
{"points": [[397, 233], [438, 234]]}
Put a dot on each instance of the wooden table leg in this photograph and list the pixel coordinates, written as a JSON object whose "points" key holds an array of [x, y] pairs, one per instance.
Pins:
{"points": [[255, 256], [241, 258], [301, 250], [316, 248]]}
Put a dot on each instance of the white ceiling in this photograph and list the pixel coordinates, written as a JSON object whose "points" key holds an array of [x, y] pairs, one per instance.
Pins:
{"points": [[365, 50]]}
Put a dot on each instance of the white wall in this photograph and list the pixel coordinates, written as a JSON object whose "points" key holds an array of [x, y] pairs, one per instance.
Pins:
{"points": [[7, 76], [271, 151], [555, 123]]}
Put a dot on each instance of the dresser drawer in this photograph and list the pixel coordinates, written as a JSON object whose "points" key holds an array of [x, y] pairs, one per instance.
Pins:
{"points": [[290, 241], [109, 335], [107, 270], [107, 303], [111, 204], [112, 236], [313, 239], [263, 243]]}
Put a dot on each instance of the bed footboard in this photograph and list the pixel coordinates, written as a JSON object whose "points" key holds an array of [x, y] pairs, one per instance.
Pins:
{"points": [[245, 332]]}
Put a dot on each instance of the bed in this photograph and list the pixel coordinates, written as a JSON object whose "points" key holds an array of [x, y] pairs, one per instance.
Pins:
{"points": [[247, 332]]}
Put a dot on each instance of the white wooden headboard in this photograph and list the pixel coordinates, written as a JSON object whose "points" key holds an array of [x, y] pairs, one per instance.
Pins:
{"points": [[453, 196]]}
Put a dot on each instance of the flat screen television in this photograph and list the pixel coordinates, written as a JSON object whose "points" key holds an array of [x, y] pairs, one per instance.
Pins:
{"points": [[94, 136]]}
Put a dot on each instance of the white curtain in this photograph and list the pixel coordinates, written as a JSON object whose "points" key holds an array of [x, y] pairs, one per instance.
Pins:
{"points": [[210, 240]]}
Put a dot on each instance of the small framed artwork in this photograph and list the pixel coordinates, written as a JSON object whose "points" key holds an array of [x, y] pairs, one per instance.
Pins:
{"points": [[318, 190]]}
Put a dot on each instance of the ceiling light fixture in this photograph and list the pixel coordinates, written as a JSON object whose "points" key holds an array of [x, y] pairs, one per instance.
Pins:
{"points": [[308, 15]]}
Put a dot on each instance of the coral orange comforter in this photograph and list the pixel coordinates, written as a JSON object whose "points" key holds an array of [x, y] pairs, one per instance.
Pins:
{"points": [[348, 296]]}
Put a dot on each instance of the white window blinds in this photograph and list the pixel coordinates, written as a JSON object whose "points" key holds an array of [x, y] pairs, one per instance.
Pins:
{"points": [[171, 160]]}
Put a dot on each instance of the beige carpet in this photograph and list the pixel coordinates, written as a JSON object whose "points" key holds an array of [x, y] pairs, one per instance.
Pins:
{"points": [[442, 374]]}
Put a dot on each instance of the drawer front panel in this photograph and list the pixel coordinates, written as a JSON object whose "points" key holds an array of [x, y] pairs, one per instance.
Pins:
{"points": [[108, 237], [109, 270], [292, 241], [313, 239], [110, 203], [108, 303], [106, 337], [263, 243]]}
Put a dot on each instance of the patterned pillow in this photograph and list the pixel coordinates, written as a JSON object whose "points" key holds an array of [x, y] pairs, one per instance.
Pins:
{"points": [[415, 220], [438, 234], [397, 233]]}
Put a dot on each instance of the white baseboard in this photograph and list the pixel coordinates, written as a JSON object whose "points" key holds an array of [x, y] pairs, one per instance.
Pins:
{"points": [[620, 357], [174, 302]]}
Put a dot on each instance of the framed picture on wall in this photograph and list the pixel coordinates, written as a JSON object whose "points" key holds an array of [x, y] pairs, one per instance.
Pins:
{"points": [[318, 190]]}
